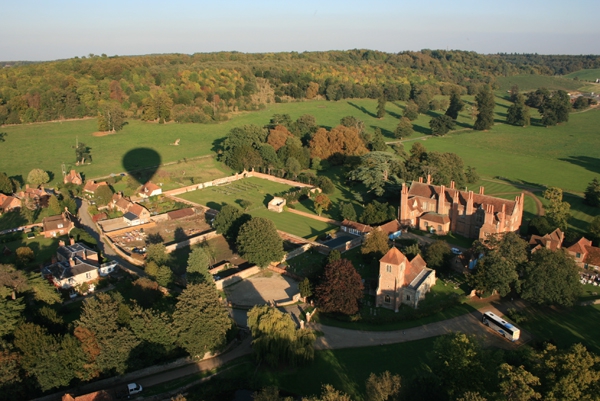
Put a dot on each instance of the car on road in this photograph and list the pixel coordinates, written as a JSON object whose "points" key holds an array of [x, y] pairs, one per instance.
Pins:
{"points": [[456, 251]]}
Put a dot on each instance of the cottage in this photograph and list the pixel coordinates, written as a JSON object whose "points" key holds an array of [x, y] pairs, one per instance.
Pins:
{"points": [[119, 203], [56, 226], [9, 203], [355, 228], [585, 254], [149, 189], [73, 178], [91, 186], [75, 264], [438, 209], [552, 241], [35, 196], [140, 211], [402, 281]]}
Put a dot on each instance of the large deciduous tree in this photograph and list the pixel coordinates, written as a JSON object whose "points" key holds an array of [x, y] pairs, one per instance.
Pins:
{"points": [[198, 267], [6, 185], [276, 340], [229, 220], [377, 212], [456, 105], [592, 193], [110, 117], [82, 153], [200, 321], [376, 169], [341, 288], [557, 211], [551, 278], [411, 110], [37, 177], [485, 105], [518, 113], [441, 125], [259, 243], [437, 255], [376, 244], [103, 195], [404, 128], [340, 140]]}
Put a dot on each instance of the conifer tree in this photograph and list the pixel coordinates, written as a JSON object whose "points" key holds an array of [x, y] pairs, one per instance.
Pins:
{"points": [[485, 106]]}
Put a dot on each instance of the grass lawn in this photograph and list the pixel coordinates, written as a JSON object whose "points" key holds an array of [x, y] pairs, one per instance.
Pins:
{"points": [[588, 75], [43, 249], [15, 219], [533, 82], [565, 326], [296, 224]]}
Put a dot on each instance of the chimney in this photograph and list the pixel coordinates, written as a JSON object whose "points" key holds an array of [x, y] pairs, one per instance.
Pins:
{"points": [[481, 189], [61, 243], [72, 240], [421, 180], [548, 243], [71, 262], [452, 184], [428, 178], [442, 200]]}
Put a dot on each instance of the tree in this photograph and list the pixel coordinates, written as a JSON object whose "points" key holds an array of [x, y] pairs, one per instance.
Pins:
{"points": [[24, 255], [152, 327], [198, 267], [456, 105], [404, 128], [229, 220], [441, 125], [321, 202], [376, 169], [377, 141], [381, 107], [329, 393], [82, 152], [485, 105], [353, 122], [557, 212], [411, 110], [340, 140], [278, 136], [376, 212], [10, 314], [516, 383], [494, 273], [6, 185], [103, 195], [200, 322], [518, 113], [259, 243], [555, 108], [160, 273], [376, 244], [341, 288], [54, 204], [347, 211], [276, 340], [592, 193], [157, 253], [437, 255], [594, 228], [110, 117], [383, 387], [306, 288], [551, 278], [269, 394], [157, 106], [37, 177], [326, 185]]}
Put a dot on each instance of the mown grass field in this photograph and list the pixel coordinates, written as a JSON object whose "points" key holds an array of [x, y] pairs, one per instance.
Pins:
{"points": [[587, 75], [533, 82], [259, 192]]}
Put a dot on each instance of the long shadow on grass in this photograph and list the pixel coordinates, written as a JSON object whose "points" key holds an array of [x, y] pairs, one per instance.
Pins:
{"points": [[362, 109], [589, 163]]}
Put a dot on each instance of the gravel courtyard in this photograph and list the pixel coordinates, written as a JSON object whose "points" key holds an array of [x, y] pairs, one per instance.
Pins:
{"points": [[261, 288]]}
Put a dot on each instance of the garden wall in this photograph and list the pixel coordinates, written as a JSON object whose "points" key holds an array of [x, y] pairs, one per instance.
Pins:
{"points": [[191, 241], [237, 277]]}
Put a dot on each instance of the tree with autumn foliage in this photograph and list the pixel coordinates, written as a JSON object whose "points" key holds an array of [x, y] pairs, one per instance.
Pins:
{"points": [[341, 288], [278, 136], [322, 202], [340, 140]]}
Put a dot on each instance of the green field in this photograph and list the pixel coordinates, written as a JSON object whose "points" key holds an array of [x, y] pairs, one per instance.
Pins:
{"points": [[586, 75], [43, 249], [259, 192], [533, 82]]}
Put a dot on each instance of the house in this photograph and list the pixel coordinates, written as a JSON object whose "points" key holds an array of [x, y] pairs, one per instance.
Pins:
{"points": [[436, 208], [74, 265], [91, 186], [276, 204], [585, 254], [355, 228], [36, 196], [9, 203], [120, 203], [552, 241], [73, 178], [140, 211], [393, 229], [57, 225], [402, 281], [149, 189]]}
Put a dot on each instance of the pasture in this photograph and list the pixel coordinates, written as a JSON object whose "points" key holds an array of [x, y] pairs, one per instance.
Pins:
{"points": [[585, 75], [533, 82]]}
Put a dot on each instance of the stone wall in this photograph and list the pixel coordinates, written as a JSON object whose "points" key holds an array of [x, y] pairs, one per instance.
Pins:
{"points": [[192, 241], [237, 277]]}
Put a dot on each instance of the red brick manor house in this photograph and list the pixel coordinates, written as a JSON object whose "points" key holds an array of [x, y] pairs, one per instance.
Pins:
{"points": [[439, 209]]}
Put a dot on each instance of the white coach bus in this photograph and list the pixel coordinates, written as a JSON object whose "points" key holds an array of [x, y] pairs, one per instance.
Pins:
{"points": [[503, 327]]}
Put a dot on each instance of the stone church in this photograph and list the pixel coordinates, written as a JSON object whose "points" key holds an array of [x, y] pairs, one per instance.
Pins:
{"points": [[435, 208], [402, 281]]}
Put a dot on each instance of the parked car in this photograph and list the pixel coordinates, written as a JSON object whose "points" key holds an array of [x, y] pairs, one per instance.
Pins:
{"points": [[456, 251]]}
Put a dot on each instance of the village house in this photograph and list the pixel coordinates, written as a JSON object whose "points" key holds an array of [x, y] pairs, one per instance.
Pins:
{"points": [[355, 228], [119, 203], [35, 196], [585, 254], [73, 178], [436, 208], [55, 226], [9, 203], [91, 186], [149, 189], [402, 281], [75, 264], [552, 241]]}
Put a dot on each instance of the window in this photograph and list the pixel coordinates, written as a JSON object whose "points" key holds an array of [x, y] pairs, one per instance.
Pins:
{"points": [[60, 225], [88, 275], [387, 299], [389, 268], [577, 255], [439, 228], [408, 297]]}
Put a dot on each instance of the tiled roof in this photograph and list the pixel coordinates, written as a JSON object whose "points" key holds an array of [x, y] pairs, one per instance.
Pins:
{"points": [[435, 218], [593, 256], [149, 187], [391, 227], [136, 209], [363, 228], [551, 241], [429, 191], [393, 257], [181, 213], [580, 246], [53, 223]]}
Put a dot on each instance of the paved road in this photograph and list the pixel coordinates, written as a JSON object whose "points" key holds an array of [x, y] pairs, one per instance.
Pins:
{"points": [[88, 225]]}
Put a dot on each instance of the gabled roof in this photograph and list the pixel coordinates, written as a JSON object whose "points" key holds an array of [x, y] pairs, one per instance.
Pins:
{"points": [[181, 213], [91, 186], [393, 257], [136, 209], [362, 228], [580, 246], [391, 227], [551, 240], [55, 222], [593, 256], [435, 218], [149, 187]]}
